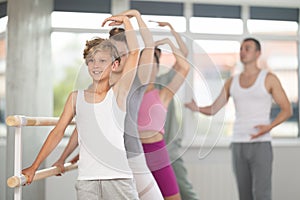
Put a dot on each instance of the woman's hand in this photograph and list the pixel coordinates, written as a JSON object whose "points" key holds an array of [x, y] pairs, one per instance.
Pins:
{"points": [[130, 13], [115, 20], [162, 24]]}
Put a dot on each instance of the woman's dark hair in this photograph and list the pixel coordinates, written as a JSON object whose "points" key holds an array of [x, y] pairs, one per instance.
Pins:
{"points": [[118, 34], [156, 58], [157, 53]]}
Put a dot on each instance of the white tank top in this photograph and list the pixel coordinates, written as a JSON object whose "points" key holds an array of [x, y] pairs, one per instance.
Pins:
{"points": [[252, 107], [100, 136]]}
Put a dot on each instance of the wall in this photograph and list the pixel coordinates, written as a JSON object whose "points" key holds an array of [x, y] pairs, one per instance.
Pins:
{"points": [[60, 187], [212, 176], [2, 168], [28, 75]]}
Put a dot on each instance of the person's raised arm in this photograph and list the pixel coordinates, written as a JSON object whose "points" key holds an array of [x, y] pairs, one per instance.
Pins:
{"points": [[274, 86], [181, 44], [129, 70], [181, 68], [146, 58], [145, 32], [54, 137], [71, 146], [219, 103]]}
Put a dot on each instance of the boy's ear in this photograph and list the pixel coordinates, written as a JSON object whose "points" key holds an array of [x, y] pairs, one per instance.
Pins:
{"points": [[115, 65]]}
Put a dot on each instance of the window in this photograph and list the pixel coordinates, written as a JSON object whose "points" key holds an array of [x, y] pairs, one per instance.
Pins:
{"points": [[273, 21], [70, 72], [161, 11], [78, 20], [271, 27], [222, 56], [214, 57], [216, 19], [280, 57], [215, 61], [157, 8], [83, 6], [216, 25], [179, 26]]}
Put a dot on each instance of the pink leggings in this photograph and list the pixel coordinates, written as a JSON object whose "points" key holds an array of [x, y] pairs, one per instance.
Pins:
{"points": [[158, 161]]}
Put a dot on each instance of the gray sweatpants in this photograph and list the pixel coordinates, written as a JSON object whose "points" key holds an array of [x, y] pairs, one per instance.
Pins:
{"points": [[252, 165], [106, 189]]}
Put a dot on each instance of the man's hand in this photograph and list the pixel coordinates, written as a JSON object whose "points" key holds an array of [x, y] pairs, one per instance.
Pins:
{"points": [[262, 129]]}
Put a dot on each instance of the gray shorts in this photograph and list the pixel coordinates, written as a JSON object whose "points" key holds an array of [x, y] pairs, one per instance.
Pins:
{"points": [[106, 189]]}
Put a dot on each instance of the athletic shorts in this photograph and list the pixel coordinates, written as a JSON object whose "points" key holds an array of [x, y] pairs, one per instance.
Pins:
{"points": [[159, 163], [106, 189]]}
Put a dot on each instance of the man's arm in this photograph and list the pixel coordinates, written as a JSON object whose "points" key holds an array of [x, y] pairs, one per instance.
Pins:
{"points": [[274, 86], [221, 100]]}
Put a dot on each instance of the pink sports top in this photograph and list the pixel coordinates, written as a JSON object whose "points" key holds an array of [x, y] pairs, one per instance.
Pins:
{"points": [[152, 113]]}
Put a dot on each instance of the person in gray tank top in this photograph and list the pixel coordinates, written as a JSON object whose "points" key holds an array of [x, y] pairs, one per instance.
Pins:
{"points": [[251, 147]]}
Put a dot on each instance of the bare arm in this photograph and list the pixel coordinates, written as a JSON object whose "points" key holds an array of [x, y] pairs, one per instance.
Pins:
{"points": [[129, 71], [146, 59], [54, 137], [182, 68], [166, 78], [182, 46], [71, 146], [274, 86], [221, 100]]}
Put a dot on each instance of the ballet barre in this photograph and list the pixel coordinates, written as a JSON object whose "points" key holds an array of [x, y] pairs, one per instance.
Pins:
{"points": [[19, 121], [15, 181]]}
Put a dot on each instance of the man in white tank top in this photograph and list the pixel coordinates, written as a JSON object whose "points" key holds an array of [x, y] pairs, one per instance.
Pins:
{"points": [[252, 92]]}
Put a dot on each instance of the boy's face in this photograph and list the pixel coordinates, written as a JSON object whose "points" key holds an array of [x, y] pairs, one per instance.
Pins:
{"points": [[100, 65]]}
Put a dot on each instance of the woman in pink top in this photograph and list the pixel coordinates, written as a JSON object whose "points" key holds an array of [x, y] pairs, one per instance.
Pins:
{"points": [[151, 121]]}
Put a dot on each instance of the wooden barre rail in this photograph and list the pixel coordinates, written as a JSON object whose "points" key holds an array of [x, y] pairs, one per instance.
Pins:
{"points": [[15, 181], [20, 120]]}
